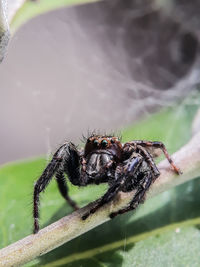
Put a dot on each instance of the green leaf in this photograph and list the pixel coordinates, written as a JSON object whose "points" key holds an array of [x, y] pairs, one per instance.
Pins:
{"points": [[163, 232]]}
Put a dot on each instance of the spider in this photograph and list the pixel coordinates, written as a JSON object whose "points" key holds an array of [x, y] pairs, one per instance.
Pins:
{"points": [[125, 167]]}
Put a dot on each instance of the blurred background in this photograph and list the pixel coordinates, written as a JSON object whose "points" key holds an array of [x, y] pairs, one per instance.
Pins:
{"points": [[98, 66], [129, 66]]}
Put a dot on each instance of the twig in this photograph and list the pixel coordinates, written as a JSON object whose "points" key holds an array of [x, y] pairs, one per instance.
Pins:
{"points": [[69, 227], [4, 29]]}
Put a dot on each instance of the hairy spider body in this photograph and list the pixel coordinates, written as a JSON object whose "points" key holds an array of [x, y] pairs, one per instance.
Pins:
{"points": [[125, 167]]}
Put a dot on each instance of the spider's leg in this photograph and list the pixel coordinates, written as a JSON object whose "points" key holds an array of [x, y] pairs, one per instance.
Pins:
{"points": [[150, 160], [161, 146], [138, 197], [60, 178], [120, 177], [40, 185], [64, 159], [109, 195], [131, 147]]}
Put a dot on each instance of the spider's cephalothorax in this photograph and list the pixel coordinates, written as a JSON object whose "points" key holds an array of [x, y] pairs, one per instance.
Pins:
{"points": [[125, 167], [100, 155]]}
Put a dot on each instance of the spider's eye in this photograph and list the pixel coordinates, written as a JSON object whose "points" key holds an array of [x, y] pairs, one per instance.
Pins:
{"points": [[104, 143], [95, 142], [112, 141]]}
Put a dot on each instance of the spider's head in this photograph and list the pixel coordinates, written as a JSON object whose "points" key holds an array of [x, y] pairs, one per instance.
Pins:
{"points": [[101, 151], [102, 143]]}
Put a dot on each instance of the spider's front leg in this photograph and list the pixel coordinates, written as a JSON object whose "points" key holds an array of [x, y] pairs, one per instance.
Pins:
{"points": [[132, 147], [154, 145], [65, 159], [109, 195], [121, 174]]}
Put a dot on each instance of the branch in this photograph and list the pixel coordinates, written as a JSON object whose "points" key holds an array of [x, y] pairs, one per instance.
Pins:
{"points": [[4, 29], [71, 226]]}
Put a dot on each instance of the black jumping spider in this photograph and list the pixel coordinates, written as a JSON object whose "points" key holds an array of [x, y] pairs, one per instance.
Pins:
{"points": [[104, 159]]}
